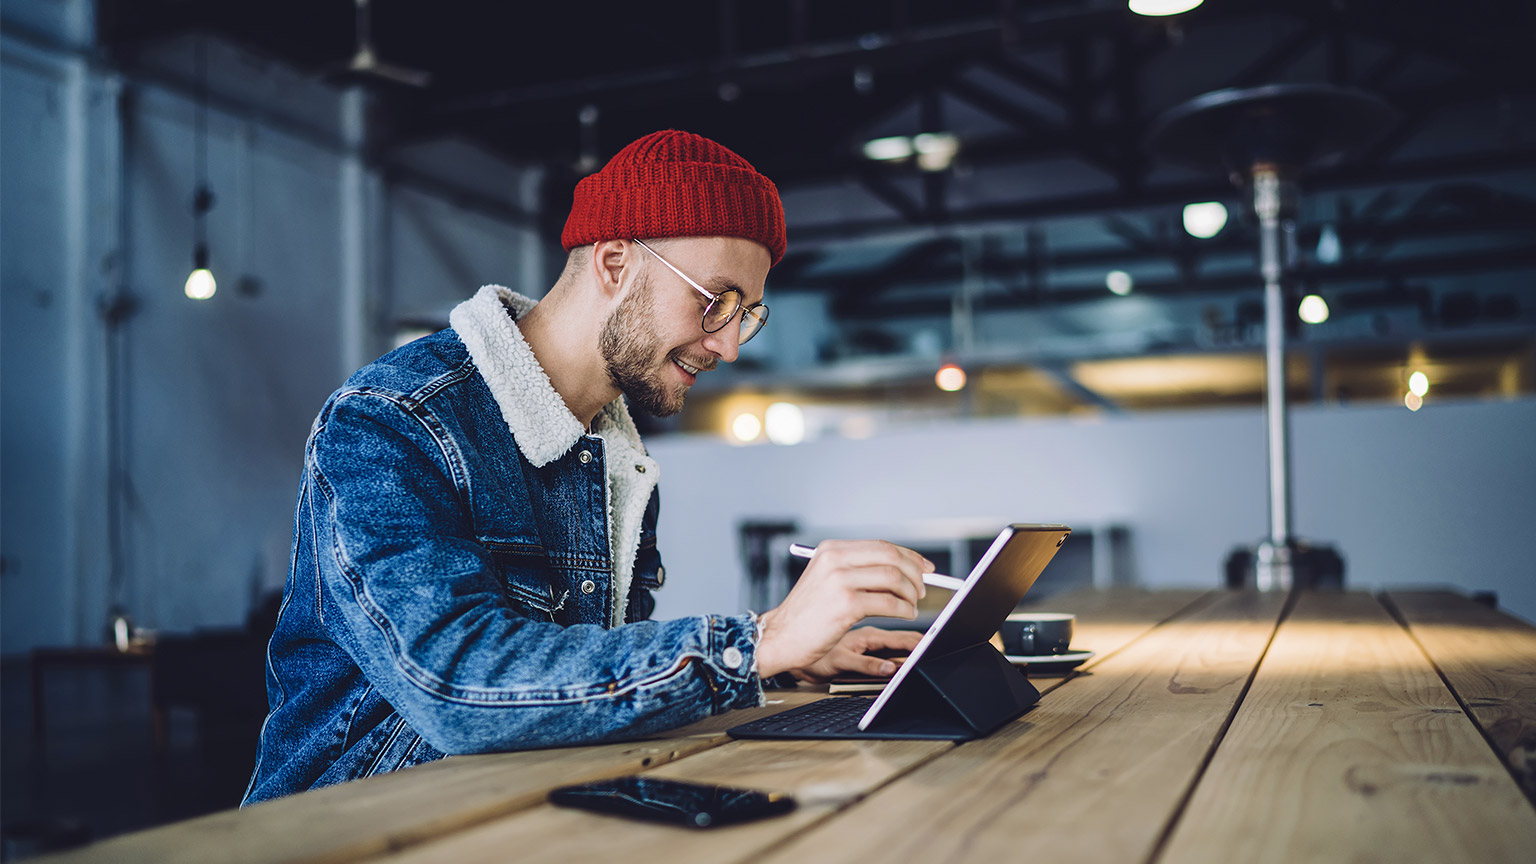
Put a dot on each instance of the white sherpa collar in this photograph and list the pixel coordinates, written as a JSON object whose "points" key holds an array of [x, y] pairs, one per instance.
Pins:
{"points": [[545, 429], [538, 418]]}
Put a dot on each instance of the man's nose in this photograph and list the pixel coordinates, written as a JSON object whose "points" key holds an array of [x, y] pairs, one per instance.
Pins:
{"points": [[725, 343]]}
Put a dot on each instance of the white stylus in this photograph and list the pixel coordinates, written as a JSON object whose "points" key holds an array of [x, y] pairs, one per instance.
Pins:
{"points": [[933, 580]]}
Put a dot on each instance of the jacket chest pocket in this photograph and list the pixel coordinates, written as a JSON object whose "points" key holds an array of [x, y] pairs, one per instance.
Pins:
{"points": [[528, 580]]}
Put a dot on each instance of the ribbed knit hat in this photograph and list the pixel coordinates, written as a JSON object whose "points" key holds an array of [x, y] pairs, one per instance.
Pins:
{"points": [[676, 184]]}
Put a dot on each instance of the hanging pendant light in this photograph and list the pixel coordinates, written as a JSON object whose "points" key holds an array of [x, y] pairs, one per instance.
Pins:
{"points": [[1161, 8], [200, 283]]}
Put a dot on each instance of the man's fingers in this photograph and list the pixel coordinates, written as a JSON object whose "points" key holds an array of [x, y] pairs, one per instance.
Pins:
{"points": [[855, 553], [877, 639], [887, 579], [887, 606], [872, 666]]}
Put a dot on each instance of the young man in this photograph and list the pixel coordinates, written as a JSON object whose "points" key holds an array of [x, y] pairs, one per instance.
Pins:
{"points": [[475, 537]]}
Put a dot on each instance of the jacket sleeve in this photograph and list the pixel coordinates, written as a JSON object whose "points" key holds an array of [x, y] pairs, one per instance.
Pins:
{"points": [[415, 600]]}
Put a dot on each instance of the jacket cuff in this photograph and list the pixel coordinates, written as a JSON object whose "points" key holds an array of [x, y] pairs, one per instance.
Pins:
{"points": [[731, 662]]}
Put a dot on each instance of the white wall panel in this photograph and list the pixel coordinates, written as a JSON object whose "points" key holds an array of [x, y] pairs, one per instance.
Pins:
{"points": [[1443, 496]]}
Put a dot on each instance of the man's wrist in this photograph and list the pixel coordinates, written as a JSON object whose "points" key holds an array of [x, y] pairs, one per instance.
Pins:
{"points": [[768, 666]]}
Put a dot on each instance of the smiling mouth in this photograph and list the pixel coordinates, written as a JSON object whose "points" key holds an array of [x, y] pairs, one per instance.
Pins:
{"points": [[691, 370]]}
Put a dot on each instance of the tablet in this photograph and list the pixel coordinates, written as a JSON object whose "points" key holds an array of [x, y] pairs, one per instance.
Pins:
{"points": [[995, 585], [954, 685]]}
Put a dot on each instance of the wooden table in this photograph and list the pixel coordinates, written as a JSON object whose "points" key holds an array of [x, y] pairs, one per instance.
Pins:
{"points": [[1210, 727]]}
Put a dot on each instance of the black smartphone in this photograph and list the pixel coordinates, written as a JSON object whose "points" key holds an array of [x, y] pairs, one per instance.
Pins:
{"points": [[696, 805]]}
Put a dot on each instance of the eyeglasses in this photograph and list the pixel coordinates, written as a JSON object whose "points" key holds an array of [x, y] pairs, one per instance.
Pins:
{"points": [[722, 307]]}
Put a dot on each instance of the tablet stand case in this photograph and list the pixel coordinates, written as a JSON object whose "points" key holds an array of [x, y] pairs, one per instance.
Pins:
{"points": [[952, 697]]}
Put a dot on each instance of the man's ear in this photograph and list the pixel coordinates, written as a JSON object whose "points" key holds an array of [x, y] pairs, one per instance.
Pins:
{"points": [[609, 259]]}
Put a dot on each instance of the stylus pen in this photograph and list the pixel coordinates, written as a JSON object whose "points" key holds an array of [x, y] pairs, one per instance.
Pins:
{"points": [[932, 580]]}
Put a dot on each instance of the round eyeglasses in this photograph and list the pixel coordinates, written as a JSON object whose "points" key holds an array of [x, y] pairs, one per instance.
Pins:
{"points": [[722, 307]]}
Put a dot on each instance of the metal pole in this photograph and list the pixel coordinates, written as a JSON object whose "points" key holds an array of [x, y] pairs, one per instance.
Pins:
{"points": [[1274, 558]]}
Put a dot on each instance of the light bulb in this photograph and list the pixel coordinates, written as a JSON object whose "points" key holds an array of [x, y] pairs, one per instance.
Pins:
{"points": [[888, 149], [1418, 384], [1119, 282], [1206, 219], [785, 423], [950, 377], [746, 427], [1313, 309], [200, 285], [1158, 8]]}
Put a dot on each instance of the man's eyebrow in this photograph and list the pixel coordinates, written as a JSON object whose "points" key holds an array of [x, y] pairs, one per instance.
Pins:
{"points": [[721, 283]]}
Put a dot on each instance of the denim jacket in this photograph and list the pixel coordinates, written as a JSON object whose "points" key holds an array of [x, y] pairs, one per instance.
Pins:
{"points": [[471, 572]]}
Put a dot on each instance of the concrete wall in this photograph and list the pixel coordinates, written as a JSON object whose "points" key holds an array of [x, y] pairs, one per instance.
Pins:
{"points": [[216, 396], [1443, 496]]}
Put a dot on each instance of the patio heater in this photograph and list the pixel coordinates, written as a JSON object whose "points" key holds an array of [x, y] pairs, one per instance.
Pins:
{"points": [[1262, 138]]}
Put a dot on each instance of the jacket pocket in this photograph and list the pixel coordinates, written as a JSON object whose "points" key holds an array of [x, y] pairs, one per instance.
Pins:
{"points": [[523, 573]]}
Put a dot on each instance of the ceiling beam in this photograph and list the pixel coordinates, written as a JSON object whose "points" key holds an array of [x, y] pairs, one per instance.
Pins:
{"points": [[1511, 259], [1341, 177]]}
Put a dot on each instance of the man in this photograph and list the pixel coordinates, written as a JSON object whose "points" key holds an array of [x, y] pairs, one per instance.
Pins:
{"points": [[475, 536]]}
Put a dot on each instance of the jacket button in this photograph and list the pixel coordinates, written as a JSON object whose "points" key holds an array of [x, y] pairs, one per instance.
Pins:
{"points": [[588, 586], [661, 576], [640, 468], [585, 456], [732, 657]]}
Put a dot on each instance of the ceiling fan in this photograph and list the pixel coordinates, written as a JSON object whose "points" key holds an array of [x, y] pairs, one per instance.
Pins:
{"points": [[366, 68]]}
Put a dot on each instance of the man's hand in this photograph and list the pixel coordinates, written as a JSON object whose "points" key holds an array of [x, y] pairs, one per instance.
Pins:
{"points": [[848, 655], [846, 582]]}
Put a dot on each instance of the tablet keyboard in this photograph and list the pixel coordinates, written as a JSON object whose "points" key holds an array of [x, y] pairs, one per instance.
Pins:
{"points": [[837, 715]]}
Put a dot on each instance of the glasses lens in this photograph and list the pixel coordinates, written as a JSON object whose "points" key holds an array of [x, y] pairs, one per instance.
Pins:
{"points": [[752, 320], [719, 311]]}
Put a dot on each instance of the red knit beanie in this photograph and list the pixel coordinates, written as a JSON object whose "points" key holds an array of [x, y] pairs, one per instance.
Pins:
{"points": [[676, 184]]}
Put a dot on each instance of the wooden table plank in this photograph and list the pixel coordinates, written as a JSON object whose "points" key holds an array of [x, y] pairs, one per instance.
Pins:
{"points": [[366, 817], [1093, 773], [1489, 658], [1349, 748], [823, 775], [1110, 619]]}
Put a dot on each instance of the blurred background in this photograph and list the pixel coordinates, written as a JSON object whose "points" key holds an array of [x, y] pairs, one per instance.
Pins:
{"points": [[997, 306]]}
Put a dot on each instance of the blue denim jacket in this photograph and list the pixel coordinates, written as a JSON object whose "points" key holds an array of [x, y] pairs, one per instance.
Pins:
{"points": [[462, 552]]}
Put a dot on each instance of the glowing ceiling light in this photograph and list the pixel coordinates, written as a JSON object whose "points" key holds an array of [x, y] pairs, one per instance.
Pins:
{"points": [[200, 284], [746, 427], [785, 423], [1414, 401], [950, 377], [1206, 219], [1313, 309], [1418, 384], [888, 149], [1119, 282], [1159, 8], [935, 150]]}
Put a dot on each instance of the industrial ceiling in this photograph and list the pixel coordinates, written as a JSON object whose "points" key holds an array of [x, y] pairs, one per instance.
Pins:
{"points": [[1049, 105]]}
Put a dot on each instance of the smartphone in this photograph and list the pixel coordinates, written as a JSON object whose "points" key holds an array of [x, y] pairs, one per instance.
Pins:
{"points": [[696, 805]]}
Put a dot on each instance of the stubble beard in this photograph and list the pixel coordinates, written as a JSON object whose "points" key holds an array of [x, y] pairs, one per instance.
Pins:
{"points": [[628, 347]]}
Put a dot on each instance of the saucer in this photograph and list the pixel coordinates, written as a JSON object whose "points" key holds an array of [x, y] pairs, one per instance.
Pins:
{"points": [[1050, 664]]}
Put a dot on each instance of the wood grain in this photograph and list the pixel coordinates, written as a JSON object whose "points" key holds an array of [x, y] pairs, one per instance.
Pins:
{"points": [[1489, 658], [366, 817], [1093, 773], [823, 775], [1109, 620], [1349, 748]]}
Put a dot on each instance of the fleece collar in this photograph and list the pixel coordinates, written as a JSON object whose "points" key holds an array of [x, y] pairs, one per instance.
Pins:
{"points": [[545, 429]]}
